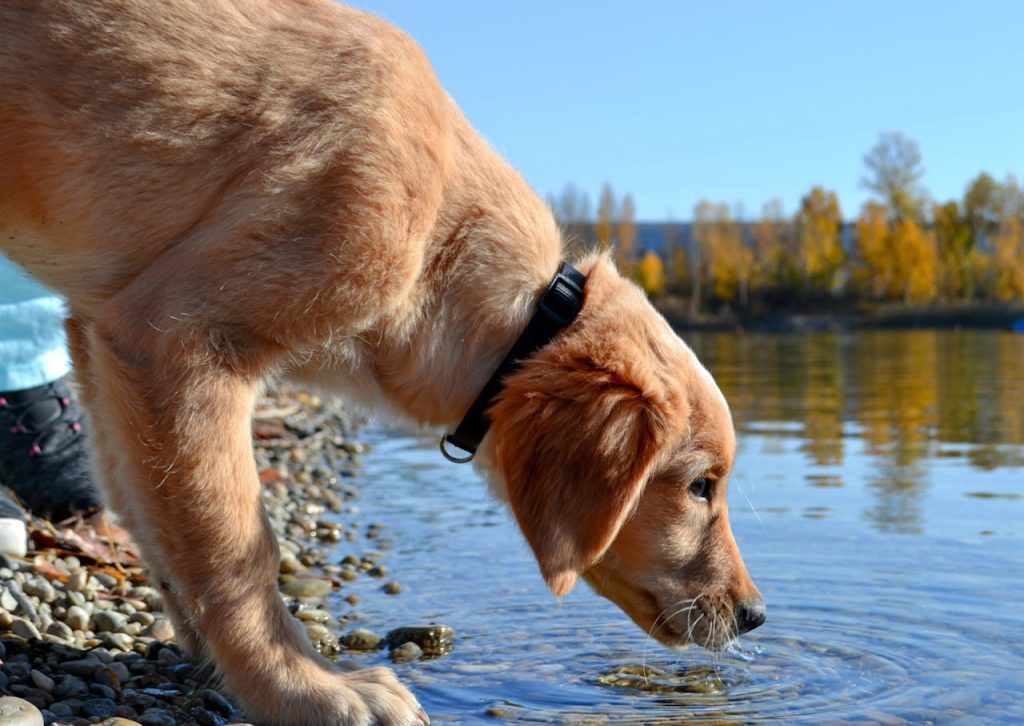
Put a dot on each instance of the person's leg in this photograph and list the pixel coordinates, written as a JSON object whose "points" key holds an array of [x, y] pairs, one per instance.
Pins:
{"points": [[43, 457]]}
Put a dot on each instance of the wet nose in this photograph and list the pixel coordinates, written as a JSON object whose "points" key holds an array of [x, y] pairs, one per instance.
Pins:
{"points": [[750, 614]]}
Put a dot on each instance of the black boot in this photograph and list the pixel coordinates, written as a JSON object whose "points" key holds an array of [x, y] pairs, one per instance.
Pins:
{"points": [[43, 455]]}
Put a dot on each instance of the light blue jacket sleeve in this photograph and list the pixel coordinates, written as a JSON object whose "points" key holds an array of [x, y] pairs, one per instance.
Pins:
{"points": [[33, 350]]}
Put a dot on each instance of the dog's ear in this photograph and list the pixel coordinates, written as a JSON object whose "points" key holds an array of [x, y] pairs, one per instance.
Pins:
{"points": [[573, 442]]}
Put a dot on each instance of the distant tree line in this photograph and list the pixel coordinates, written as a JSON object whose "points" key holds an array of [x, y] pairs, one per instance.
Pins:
{"points": [[903, 246]]}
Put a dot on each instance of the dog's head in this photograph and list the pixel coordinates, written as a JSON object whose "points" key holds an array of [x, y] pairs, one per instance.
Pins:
{"points": [[614, 446]]}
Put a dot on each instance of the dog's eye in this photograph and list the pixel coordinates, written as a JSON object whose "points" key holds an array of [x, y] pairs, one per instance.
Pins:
{"points": [[700, 487]]}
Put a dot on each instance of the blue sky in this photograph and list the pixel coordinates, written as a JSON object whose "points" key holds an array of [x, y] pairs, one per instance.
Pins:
{"points": [[736, 102]]}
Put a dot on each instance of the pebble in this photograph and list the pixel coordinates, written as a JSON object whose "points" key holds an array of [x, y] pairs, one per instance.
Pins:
{"points": [[157, 717], [7, 601], [40, 588], [309, 588], [434, 640], [322, 639], [101, 707], [361, 639], [313, 616], [76, 581], [19, 712], [82, 667], [161, 629], [392, 588], [77, 618], [406, 653], [25, 629], [61, 630], [110, 621], [103, 656], [42, 681]]}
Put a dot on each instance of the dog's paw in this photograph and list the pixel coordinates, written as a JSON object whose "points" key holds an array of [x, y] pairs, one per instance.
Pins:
{"points": [[369, 697], [385, 698]]}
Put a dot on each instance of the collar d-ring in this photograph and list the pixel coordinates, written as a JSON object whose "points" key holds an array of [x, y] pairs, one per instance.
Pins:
{"points": [[451, 457]]}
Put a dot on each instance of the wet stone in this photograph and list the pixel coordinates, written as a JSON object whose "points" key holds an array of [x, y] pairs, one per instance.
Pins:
{"points": [[313, 616], [434, 640], [312, 588], [325, 642], [361, 639], [406, 653]]}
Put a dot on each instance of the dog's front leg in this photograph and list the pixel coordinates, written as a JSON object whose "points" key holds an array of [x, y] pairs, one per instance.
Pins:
{"points": [[178, 417]]}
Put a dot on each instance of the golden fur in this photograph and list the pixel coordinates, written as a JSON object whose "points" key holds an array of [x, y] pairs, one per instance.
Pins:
{"points": [[230, 189]]}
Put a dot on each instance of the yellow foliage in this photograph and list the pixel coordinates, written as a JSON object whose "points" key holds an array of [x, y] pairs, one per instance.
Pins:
{"points": [[679, 275], [724, 256], [873, 237], [820, 247], [650, 275], [917, 262], [1009, 260], [955, 245]]}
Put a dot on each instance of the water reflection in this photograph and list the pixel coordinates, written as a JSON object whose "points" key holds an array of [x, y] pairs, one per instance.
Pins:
{"points": [[899, 400]]}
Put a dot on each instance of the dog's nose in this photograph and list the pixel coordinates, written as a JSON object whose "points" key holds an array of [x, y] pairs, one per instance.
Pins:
{"points": [[750, 614]]}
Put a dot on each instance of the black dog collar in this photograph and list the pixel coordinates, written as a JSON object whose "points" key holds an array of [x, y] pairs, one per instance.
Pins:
{"points": [[557, 308]]}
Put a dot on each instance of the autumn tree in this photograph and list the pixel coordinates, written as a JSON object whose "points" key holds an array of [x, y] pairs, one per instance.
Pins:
{"points": [[680, 271], [916, 271], [894, 173], [704, 234], [819, 224], [1008, 252], [774, 263], [625, 235], [650, 274], [983, 200], [955, 245], [724, 260], [606, 214], [874, 243]]}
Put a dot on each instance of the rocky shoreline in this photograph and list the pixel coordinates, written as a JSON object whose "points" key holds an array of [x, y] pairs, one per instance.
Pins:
{"points": [[83, 637]]}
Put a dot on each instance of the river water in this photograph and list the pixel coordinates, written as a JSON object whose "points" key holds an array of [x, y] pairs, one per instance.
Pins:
{"points": [[878, 499]]}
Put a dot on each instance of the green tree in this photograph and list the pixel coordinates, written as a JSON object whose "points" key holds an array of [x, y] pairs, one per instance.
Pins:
{"points": [[894, 173]]}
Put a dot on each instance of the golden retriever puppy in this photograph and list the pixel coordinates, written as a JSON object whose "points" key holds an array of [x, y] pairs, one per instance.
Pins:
{"points": [[230, 189]]}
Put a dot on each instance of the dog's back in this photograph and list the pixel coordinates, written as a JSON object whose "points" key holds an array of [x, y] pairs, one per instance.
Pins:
{"points": [[126, 125]]}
